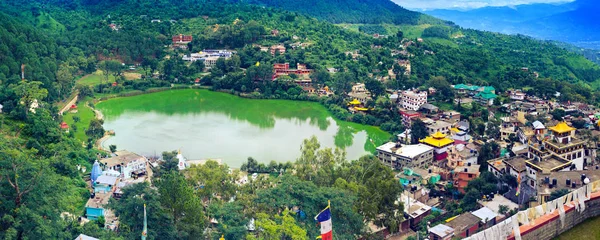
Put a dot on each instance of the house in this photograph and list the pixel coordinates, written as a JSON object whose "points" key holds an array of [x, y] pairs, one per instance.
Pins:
{"points": [[462, 155], [517, 95], [451, 116], [406, 65], [485, 98], [400, 156], [94, 207], [508, 127], [1, 108], [414, 210], [464, 174], [440, 143], [277, 49], [413, 100], [85, 237], [359, 92], [408, 116], [439, 126], [104, 183], [209, 57], [128, 164], [182, 39], [487, 216], [429, 108], [564, 180], [464, 225], [441, 232], [281, 69]]}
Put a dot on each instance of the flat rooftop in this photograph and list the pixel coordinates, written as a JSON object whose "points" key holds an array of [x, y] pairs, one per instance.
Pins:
{"points": [[518, 163], [549, 163], [499, 200], [409, 151], [561, 178], [123, 157]]}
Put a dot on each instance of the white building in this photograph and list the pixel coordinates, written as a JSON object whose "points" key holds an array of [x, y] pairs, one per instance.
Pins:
{"points": [[411, 100], [128, 164], [399, 156], [517, 95], [209, 57]]}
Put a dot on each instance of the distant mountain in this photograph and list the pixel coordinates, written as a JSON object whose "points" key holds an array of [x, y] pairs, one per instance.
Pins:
{"points": [[351, 11], [575, 22]]}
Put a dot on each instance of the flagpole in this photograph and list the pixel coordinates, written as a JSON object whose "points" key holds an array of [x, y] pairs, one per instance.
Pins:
{"points": [[145, 230]]}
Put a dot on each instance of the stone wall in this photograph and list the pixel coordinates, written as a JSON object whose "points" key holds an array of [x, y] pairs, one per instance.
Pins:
{"points": [[549, 226]]}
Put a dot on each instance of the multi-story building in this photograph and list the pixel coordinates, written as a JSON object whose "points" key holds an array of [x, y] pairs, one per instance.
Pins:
{"points": [[563, 143], [209, 57], [128, 164], [400, 156], [439, 126], [411, 100], [277, 49], [509, 127], [440, 143], [464, 174], [182, 39], [408, 116], [485, 98], [281, 69], [517, 95]]}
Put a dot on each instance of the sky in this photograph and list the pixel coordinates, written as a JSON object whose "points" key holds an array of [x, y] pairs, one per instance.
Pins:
{"points": [[446, 4]]}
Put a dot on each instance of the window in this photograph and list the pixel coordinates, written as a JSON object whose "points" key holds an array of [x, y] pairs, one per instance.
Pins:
{"points": [[470, 175]]}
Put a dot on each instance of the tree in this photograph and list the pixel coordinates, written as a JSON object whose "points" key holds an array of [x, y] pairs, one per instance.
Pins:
{"points": [[342, 83], [113, 148], [488, 151], [557, 194], [558, 114], [444, 91], [95, 129], [503, 209], [279, 227], [418, 131], [130, 210], [210, 180], [375, 87], [29, 92], [184, 207]]}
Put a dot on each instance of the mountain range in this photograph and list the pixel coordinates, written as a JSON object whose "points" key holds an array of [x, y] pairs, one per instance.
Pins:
{"points": [[574, 22]]}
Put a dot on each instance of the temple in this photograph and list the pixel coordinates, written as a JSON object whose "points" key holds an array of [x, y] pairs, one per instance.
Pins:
{"points": [[440, 143]]}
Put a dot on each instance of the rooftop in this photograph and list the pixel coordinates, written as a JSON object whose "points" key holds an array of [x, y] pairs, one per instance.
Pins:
{"points": [[538, 125], [107, 180], [562, 127], [85, 237], [440, 124], [413, 207], [484, 214], [499, 200], [438, 139], [550, 163], [441, 230], [561, 178], [463, 222], [409, 151], [123, 157], [517, 163]]}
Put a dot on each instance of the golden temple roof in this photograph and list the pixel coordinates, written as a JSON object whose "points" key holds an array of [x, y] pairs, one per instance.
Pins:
{"points": [[355, 102], [438, 139], [562, 127]]}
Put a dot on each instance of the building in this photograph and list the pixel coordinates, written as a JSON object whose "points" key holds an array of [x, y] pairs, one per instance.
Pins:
{"points": [[94, 207], [451, 116], [517, 95], [209, 57], [400, 156], [485, 98], [464, 225], [408, 116], [281, 69], [360, 92], [439, 126], [440, 143], [461, 155], [128, 164], [508, 127], [441, 232], [570, 180], [464, 174], [487, 216], [85, 237], [563, 143], [414, 210], [277, 49], [411, 100], [182, 39], [105, 183], [1, 108]]}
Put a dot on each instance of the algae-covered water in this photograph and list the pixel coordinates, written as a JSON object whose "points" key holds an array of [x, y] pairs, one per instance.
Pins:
{"points": [[205, 124]]}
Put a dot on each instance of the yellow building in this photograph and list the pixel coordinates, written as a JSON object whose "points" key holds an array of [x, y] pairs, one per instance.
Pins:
{"points": [[440, 143]]}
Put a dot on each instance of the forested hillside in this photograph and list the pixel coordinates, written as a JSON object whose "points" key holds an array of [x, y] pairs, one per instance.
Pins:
{"points": [[351, 11]]}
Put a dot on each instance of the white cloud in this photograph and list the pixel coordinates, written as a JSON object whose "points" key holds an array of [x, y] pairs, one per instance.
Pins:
{"points": [[434, 4]]}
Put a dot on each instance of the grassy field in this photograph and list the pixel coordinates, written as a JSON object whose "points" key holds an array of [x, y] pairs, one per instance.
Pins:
{"points": [[85, 115], [586, 230], [97, 78]]}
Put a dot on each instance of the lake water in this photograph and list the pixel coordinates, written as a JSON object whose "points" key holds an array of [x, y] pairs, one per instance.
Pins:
{"points": [[205, 124]]}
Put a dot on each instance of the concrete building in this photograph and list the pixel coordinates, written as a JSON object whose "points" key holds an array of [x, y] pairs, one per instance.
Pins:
{"points": [[439, 126], [487, 216], [441, 232], [408, 116], [517, 95], [400, 156], [413, 100], [464, 174], [440, 143], [508, 127], [485, 98], [277, 49], [563, 144], [414, 209], [464, 225], [128, 164]]}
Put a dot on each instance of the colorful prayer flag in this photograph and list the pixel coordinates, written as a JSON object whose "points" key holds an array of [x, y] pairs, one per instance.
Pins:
{"points": [[324, 219]]}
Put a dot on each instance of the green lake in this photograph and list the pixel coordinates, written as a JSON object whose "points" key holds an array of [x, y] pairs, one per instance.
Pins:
{"points": [[213, 125]]}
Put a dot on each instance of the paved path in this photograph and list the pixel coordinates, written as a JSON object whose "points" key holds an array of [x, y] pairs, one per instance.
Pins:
{"points": [[68, 106]]}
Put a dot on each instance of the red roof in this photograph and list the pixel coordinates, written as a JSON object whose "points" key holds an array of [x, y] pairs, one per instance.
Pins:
{"points": [[73, 106], [64, 125], [197, 80], [114, 84]]}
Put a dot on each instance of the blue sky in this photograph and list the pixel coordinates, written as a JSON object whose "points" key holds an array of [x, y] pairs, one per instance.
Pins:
{"points": [[432, 4]]}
